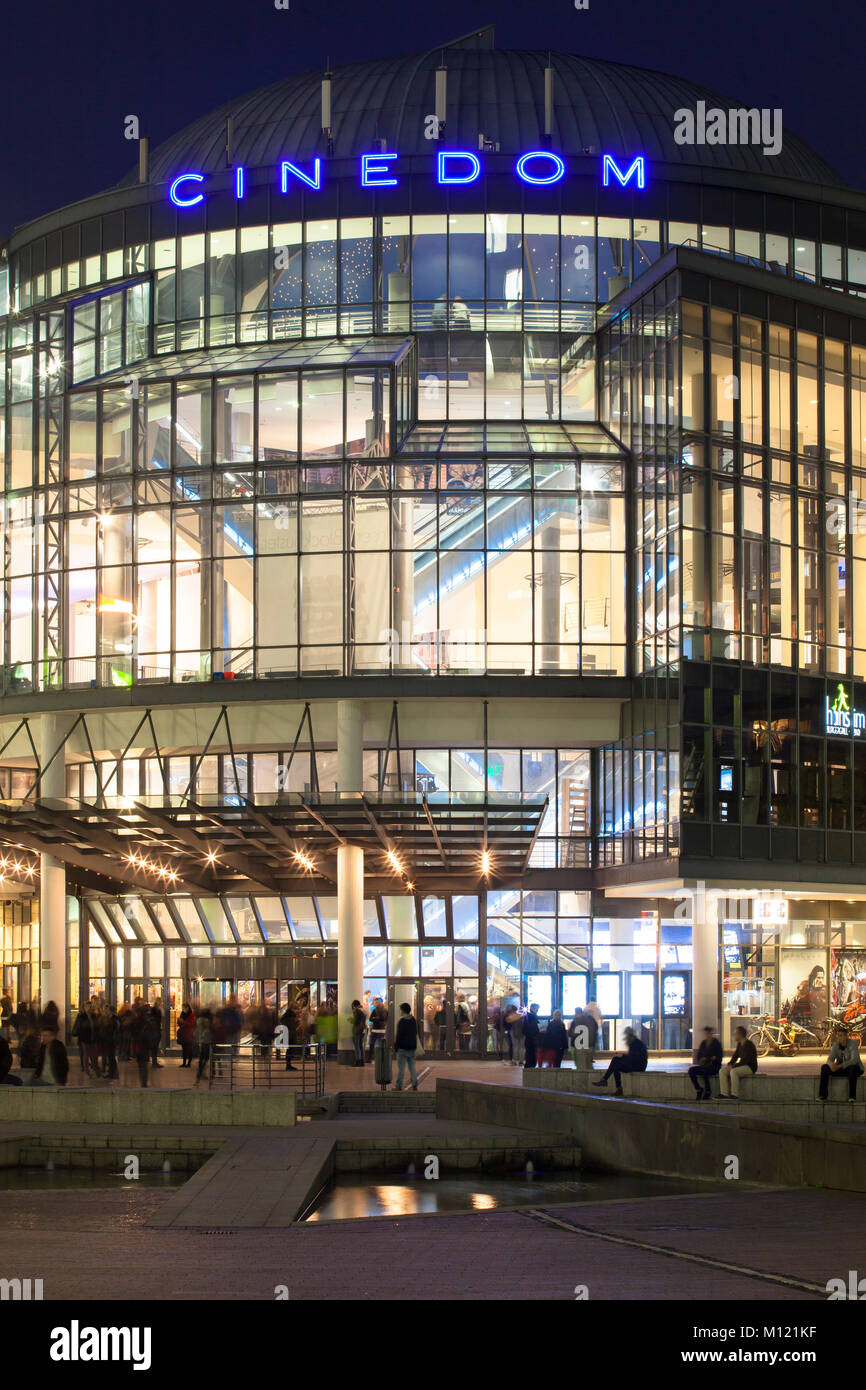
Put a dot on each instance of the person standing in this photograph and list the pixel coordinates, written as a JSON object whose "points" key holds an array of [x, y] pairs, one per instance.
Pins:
{"points": [[405, 1043], [708, 1063], [531, 1031], [555, 1039], [186, 1034], [6, 1011], [743, 1062], [440, 1025], [50, 1017], [514, 1027], [359, 1027], [378, 1024], [155, 1033], [462, 1022], [844, 1059]]}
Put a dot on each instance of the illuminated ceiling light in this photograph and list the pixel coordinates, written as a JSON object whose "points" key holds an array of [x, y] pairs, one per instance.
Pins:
{"points": [[30, 871], [410, 887], [210, 857], [394, 861], [486, 862]]}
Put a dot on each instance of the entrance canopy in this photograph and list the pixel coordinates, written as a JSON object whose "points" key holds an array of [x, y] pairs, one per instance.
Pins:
{"points": [[281, 843]]}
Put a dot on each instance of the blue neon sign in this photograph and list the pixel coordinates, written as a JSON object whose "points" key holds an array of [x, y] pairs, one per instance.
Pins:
{"points": [[442, 174], [536, 168], [373, 166], [313, 180], [180, 202], [553, 177], [637, 166]]}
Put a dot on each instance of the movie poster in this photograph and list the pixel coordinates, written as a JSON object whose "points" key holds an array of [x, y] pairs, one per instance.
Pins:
{"points": [[803, 987], [848, 985]]}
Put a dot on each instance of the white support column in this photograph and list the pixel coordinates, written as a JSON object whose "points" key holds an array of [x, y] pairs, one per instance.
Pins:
{"points": [[705, 962], [52, 890], [350, 747], [350, 878], [350, 942]]}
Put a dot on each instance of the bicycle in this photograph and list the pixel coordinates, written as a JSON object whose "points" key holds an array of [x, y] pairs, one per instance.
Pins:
{"points": [[778, 1037]]}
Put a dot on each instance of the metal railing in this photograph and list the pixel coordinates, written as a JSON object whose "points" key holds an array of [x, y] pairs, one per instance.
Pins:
{"points": [[254, 1066]]}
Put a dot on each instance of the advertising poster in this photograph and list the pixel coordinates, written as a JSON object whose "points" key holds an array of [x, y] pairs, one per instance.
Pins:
{"points": [[803, 986], [848, 986]]}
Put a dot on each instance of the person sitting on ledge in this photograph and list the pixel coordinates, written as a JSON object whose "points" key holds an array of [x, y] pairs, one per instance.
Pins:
{"points": [[708, 1063], [744, 1062], [635, 1059], [6, 1077], [844, 1060]]}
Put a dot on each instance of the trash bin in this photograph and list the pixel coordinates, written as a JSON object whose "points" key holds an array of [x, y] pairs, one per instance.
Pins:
{"points": [[382, 1063]]}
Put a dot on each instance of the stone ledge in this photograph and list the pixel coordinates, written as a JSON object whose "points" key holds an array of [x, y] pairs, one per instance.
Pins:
{"points": [[79, 1105]]}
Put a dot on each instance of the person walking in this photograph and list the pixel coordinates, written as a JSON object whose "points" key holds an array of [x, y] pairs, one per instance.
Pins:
{"points": [[595, 1012], [635, 1058], [708, 1063], [359, 1028], [203, 1039], [289, 1021], [531, 1031], [405, 1043], [186, 1034], [844, 1059]]}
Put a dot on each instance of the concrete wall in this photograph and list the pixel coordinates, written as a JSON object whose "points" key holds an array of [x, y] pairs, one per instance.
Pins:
{"points": [[81, 1106], [638, 1137], [676, 1086]]}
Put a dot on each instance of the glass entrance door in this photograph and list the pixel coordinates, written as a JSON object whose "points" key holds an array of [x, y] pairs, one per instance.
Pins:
{"points": [[676, 1009], [438, 1017]]}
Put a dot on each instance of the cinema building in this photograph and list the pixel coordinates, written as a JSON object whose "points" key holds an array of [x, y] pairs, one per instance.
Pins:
{"points": [[524, 654]]}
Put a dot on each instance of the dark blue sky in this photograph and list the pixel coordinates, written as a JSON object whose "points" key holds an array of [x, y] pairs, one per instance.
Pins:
{"points": [[72, 72]]}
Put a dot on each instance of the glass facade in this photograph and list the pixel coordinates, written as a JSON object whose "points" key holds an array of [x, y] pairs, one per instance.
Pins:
{"points": [[273, 439]]}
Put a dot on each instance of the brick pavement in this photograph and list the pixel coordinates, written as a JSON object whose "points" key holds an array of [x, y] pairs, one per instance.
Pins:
{"points": [[482, 1257]]}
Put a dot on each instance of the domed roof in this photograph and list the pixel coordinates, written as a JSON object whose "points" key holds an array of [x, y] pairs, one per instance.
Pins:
{"points": [[599, 107]]}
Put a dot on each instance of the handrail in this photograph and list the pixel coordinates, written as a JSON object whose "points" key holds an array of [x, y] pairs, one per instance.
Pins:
{"points": [[262, 1066]]}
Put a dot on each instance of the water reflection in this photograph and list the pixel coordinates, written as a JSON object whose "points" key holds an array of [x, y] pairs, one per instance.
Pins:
{"points": [[354, 1196]]}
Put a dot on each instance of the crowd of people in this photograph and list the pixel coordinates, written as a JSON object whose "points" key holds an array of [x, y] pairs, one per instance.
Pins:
{"points": [[106, 1036]]}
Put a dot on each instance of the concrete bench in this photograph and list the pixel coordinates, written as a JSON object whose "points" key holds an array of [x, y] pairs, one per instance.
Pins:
{"points": [[676, 1086]]}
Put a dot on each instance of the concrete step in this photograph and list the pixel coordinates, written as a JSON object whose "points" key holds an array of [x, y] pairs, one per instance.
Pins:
{"points": [[386, 1102]]}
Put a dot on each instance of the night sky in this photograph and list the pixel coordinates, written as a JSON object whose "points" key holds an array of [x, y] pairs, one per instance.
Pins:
{"points": [[73, 71]]}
